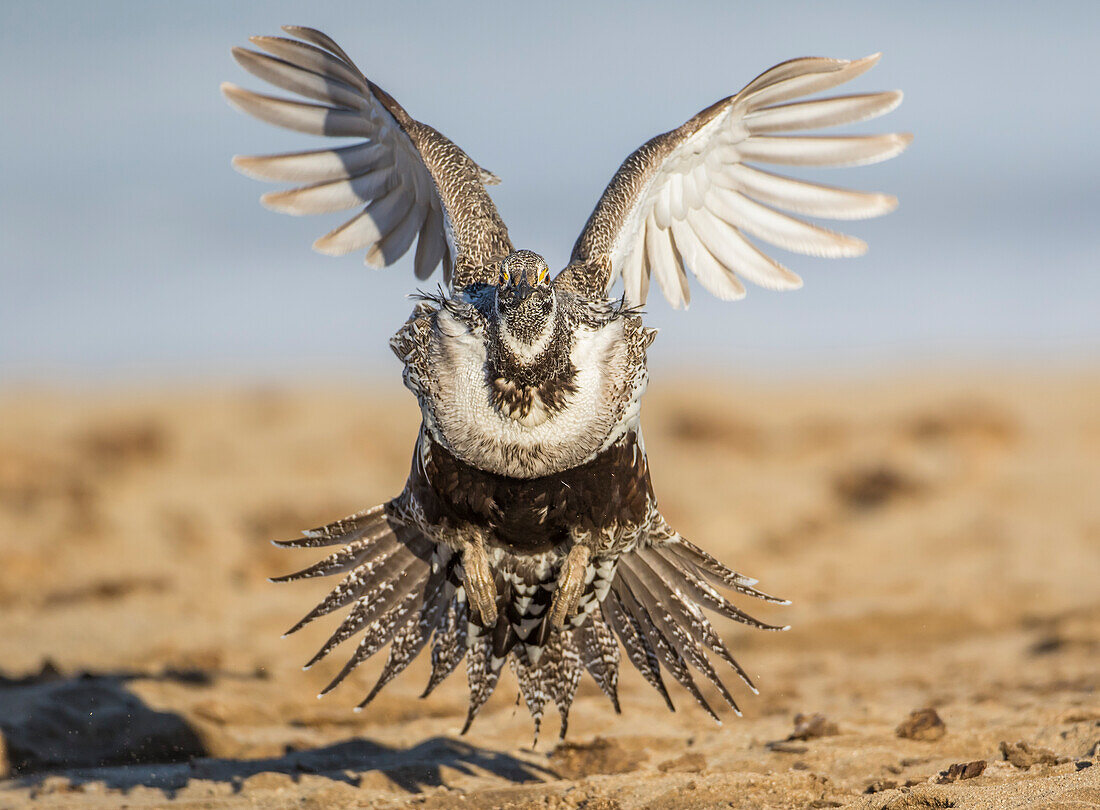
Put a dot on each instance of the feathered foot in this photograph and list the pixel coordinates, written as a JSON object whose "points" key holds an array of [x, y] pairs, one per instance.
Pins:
{"points": [[479, 581], [571, 584]]}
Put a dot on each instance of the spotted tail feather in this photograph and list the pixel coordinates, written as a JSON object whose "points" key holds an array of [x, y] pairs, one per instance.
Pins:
{"points": [[406, 591], [641, 653], [412, 638], [656, 608], [599, 652], [448, 642], [667, 653], [482, 673]]}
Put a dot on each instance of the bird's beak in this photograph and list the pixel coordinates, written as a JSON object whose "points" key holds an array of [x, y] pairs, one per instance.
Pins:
{"points": [[522, 289]]}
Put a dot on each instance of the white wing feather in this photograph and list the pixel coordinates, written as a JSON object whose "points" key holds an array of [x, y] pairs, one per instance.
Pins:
{"points": [[697, 206], [386, 175]]}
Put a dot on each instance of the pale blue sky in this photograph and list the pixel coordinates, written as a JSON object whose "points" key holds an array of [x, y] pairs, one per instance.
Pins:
{"points": [[130, 250]]}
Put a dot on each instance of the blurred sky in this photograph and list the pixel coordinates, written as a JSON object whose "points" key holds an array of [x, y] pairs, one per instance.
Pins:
{"points": [[129, 249]]}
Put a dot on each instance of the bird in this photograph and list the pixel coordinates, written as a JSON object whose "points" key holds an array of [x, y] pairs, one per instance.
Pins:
{"points": [[528, 530]]}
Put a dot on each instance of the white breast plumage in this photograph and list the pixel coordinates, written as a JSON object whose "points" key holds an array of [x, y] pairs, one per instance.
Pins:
{"points": [[459, 411]]}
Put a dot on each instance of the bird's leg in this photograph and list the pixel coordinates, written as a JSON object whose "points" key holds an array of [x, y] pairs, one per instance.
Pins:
{"points": [[570, 584], [479, 580]]}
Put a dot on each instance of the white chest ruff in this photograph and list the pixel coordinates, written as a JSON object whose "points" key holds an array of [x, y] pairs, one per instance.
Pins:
{"points": [[459, 410]]}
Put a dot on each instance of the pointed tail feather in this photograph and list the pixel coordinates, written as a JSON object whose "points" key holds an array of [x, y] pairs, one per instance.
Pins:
{"points": [[376, 602], [362, 550], [662, 612], [710, 568], [562, 673], [638, 649], [408, 642], [669, 656], [368, 578], [532, 687], [448, 642], [694, 585], [482, 673], [377, 635], [407, 591], [599, 653], [555, 676], [707, 634], [342, 531]]}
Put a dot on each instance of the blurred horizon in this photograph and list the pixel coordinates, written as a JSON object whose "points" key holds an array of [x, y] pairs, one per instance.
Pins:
{"points": [[133, 252]]}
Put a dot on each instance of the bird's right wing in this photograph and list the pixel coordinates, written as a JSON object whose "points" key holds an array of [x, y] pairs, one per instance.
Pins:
{"points": [[410, 180], [688, 199]]}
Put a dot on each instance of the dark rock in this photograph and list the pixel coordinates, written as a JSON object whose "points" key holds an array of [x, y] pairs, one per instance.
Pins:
{"points": [[961, 770], [880, 785], [787, 747], [923, 724], [810, 727]]}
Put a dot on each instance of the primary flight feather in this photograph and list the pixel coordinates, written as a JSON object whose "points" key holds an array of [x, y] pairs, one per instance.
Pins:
{"points": [[528, 531]]}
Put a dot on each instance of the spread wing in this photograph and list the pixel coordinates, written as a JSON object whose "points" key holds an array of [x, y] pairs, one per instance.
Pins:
{"points": [[411, 182], [689, 199]]}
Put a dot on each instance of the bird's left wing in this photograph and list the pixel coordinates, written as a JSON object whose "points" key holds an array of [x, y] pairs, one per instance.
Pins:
{"points": [[688, 199], [409, 179]]}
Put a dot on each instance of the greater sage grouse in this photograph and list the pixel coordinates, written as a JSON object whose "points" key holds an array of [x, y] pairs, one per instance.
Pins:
{"points": [[528, 531]]}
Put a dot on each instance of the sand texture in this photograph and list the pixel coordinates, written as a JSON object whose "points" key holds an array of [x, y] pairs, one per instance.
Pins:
{"points": [[939, 538]]}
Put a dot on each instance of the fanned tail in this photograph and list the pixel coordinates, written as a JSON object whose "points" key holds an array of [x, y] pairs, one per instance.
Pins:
{"points": [[656, 607], [406, 591], [667, 652], [410, 640]]}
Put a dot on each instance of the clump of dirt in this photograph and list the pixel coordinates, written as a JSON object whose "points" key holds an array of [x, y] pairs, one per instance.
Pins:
{"points": [[691, 762], [810, 727], [577, 760], [961, 770], [922, 724], [879, 785], [869, 487], [1023, 755]]}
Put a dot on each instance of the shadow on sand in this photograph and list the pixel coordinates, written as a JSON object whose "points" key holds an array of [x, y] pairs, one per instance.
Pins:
{"points": [[91, 728]]}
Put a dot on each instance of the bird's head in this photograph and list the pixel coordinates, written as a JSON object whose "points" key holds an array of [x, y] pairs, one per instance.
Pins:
{"points": [[526, 305]]}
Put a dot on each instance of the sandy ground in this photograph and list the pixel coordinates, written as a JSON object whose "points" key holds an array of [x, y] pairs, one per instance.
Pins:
{"points": [[940, 540]]}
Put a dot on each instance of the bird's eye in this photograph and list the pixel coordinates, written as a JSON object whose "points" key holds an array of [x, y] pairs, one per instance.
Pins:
{"points": [[543, 274], [504, 277]]}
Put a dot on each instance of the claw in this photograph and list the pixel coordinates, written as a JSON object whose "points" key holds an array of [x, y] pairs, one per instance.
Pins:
{"points": [[479, 582], [570, 585]]}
